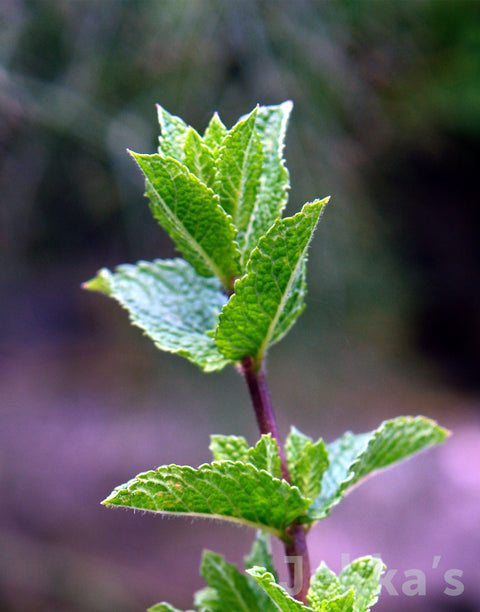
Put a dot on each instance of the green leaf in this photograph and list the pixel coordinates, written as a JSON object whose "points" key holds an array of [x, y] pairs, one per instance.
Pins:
{"points": [[163, 607], [232, 491], [228, 448], [342, 603], [352, 457], [264, 455], [269, 298], [239, 168], [207, 600], [229, 589], [307, 462], [356, 589], [173, 135], [199, 158], [272, 190], [173, 304], [282, 600], [261, 553], [363, 577], [324, 585], [190, 213], [215, 134]]}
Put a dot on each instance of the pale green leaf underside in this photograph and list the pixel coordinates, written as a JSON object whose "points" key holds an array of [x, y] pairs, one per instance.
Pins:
{"points": [[173, 305], [264, 455], [232, 491], [228, 588], [307, 462], [352, 457], [269, 298], [279, 596], [189, 212], [272, 190]]}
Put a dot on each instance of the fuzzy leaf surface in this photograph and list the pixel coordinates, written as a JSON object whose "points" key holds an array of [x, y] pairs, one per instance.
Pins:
{"points": [[173, 305], [280, 597], [189, 212], [352, 457], [232, 491], [174, 132], [307, 462], [272, 190], [228, 588], [270, 297]]}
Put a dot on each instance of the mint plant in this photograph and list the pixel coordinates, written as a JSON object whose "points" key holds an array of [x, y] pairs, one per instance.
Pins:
{"points": [[238, 290]]}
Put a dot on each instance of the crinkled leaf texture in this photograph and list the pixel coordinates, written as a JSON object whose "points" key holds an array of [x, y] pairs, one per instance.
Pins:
{"points": [[240, 166], [175, 306], [220, 197], [189, 211], [356, 589], [307, 462], [232, 491], [352, 457], [272, 189], [264, 455], [270, 297]]}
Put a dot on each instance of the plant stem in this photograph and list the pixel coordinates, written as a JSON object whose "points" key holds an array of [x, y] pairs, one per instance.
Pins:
{"points": [[295, 545]]}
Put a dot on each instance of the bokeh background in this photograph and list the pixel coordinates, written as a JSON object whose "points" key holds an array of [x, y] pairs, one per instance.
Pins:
{"points": [[387, 121]]}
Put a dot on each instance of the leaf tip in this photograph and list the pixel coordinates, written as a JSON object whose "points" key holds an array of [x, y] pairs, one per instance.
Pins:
{"points": [[99, 283]]}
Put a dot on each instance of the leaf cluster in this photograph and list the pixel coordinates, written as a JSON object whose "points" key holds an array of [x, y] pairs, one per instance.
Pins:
{"points": [[243, 485], [355, 589], [237, 291], [241, 283]]}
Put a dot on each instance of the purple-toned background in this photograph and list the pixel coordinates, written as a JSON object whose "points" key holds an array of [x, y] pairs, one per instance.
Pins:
{"points": [[387, 121]]}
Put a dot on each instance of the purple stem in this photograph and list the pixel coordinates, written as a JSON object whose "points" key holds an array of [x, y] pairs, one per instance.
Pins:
{"points": [[295, 544]]}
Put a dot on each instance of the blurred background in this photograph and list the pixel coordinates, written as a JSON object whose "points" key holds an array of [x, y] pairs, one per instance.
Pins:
{"points": [[387, 121]]}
